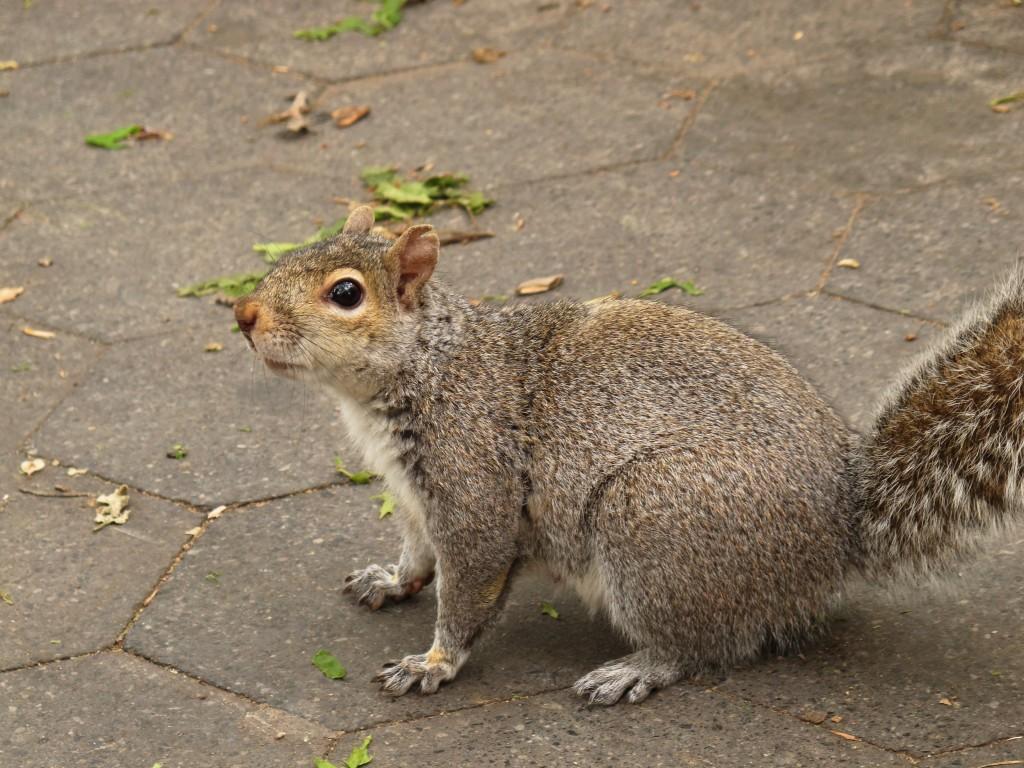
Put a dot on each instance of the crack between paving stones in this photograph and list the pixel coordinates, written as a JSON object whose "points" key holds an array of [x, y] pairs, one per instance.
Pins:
{"points": [[908, 756], [991, 743], [10, 218], [688, 121], [168, 43], [192, 25], [860, 202], [57, 660], [889, 310], [164, 578]]}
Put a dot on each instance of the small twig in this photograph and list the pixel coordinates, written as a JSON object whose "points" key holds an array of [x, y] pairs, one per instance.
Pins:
{"points": [[54, 494], [1002, 762]]}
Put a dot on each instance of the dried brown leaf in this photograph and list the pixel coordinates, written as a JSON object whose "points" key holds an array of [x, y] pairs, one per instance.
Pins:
{"points": [[294, 115], [539, 285], [488, 55], [10, 294], [345, 116], [454, 236], [153, 134], [848, 263], [38, 334], [213, 346], [30, 466], [8, 64], [847, 736]]}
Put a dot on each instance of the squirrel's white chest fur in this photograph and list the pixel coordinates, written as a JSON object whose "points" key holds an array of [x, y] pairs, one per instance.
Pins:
{"points": [[370, 431]]}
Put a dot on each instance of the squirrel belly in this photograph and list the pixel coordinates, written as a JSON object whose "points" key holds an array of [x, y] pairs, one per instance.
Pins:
{"points": [[682, 476]]}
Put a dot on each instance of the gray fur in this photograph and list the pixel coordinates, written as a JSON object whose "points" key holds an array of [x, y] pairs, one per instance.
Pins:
{"points": [[681, 475]]}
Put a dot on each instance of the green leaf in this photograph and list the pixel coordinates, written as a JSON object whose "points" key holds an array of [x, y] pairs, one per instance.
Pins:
{"points": [[362, 477], [474, 202], [360, 755], [387, 504], [6, 597], [548, 609], [321, 763], [114, 139], [213, 577], [234, 286], [669, 282], [440, 184], [408, 192], [274, 251], [348, 24], [386, 211], [1013, 97], [373, 175], [177, 452], [330, 666]]}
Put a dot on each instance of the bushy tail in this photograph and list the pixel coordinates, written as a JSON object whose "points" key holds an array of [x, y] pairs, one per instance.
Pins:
{"points": [[945, 459]]}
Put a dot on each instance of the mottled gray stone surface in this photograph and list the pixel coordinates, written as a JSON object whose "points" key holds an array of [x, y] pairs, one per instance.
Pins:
{"points": [[184, 233], [925, 670], [684, 726], [248, 435], [201, 98], [748, 147], [430, 33], [935, 251], [277, 598], [74, 589], [115, 710], [45, 30]]}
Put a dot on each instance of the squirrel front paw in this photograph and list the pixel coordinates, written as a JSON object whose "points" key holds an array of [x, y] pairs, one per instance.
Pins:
{"points": [[375, 584], [429, 669]]}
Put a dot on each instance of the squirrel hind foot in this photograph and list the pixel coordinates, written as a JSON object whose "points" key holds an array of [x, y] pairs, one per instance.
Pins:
{"points": [[374, 585], [636, 675]]}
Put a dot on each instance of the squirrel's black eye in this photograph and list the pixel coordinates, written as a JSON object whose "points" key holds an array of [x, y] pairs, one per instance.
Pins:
{"points": [[346, 293]]}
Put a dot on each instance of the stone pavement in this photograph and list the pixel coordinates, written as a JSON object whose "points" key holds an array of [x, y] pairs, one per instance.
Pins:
{"points": [[752, 147]]}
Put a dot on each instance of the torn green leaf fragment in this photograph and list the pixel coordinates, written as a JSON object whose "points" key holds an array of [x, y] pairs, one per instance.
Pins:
{"points": [[113, 140], [387, 504], [548, 609], [666, 283], [325, 661], [362, 477], [360, 755], [233, 286]]}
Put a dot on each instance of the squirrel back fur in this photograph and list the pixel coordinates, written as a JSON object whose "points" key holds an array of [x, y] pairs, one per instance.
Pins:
{"points": [[680, 474]]}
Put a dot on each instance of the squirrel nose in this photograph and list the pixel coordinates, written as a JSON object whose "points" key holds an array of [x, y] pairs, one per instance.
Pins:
{"points": [[247, 312]]}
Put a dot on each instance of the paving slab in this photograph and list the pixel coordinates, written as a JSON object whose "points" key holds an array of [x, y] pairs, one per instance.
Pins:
{"points": [[430, 33], [261, 592], [113, 709], [134, 248], [924, 670], [681, 726], [937, 251], [74, 589], [995, 23], [727, 39], [742, 239], [62, 29], [850, 352], [249, 435], [201, 98], [897, 119], [36, 374], [483, 119]]}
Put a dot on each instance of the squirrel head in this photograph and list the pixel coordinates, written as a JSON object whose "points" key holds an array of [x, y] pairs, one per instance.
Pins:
{"points": [[342, 311]]}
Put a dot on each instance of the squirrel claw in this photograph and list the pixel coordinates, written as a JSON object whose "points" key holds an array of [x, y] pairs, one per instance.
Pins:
{"points": [[375, 584], [398, 678], [636, 676]]}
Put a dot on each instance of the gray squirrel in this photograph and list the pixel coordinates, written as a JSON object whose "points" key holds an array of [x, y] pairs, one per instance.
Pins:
{"points": [[682, 477]]}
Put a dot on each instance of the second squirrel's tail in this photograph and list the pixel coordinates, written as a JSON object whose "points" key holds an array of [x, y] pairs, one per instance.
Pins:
{"points": [[945, 458]]}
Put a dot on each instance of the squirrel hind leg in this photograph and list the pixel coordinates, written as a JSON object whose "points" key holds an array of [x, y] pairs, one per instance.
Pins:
{"points": [[634, 676]]}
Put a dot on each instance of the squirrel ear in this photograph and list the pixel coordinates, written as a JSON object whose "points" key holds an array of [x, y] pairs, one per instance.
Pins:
{"points": [[412, 258], [359, 222]]}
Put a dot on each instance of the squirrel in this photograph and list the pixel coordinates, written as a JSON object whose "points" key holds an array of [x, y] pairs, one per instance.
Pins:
{"points": [[682, 477]]}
